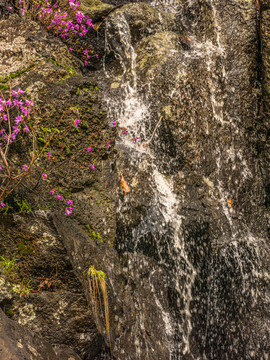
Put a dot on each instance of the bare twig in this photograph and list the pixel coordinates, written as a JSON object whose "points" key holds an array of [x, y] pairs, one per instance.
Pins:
{"points": [[148, 142]]}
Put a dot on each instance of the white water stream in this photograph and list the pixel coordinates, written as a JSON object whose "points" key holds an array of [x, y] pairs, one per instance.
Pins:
{"points": [[132, 112]]}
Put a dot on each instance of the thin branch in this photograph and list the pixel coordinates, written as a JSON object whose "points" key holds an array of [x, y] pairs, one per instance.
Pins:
{"points": [[148, 142]]}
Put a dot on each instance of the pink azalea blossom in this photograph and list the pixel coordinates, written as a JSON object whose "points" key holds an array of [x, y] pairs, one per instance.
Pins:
{"points": [[25, 111], [2, 204], [44, 176], [123, 131], [49, 155], [25, 168], [68, 210], [70, 202], [114, 123], [9, 102], [59, 197], [92, 167], [52, 192], [18, 119], [89, 149], [76, 122]]}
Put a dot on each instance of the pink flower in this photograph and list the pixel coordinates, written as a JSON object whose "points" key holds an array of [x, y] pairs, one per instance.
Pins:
{"points": [[25, 168], [85, 62], [44, 176], [70, 49], [70, 202], [59, 197], [18, 119], [89, 149], [2, 204], [52, 192], [10, 8], [0, 167], [49, 155], [9, 102], [25, 111], [68, 210], [114, 123], [76, 122], [26, 129], [136, 139], [28, 103], [108, 144], [92, 167], [123, 131]]}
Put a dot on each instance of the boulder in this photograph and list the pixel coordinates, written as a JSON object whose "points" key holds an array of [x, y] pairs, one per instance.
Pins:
{"points": [[18, 343]]}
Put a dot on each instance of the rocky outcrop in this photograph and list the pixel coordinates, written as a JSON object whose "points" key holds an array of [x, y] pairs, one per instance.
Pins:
{"points": [[49, 299], [130, 297], [264, 111], [17, 342], [185, 251], [202, 175]]}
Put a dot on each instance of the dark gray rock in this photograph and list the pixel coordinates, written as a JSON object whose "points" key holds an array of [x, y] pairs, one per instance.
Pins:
{"points": [[19, 343], [186, 251], [132, 296]]}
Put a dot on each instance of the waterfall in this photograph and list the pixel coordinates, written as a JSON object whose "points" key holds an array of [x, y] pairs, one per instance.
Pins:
{"points": [[163, 219], [234, 253]]}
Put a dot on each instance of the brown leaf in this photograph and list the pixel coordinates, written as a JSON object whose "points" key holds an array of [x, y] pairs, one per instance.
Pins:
{"points": [[124, 185]]}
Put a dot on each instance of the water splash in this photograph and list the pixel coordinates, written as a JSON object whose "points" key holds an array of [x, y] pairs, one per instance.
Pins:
{"points": [[163, 219]]}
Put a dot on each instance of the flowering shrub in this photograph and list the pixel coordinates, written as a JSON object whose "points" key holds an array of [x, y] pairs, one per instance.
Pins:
{"points": [[15, 126], [18, 128], [63, 19]]}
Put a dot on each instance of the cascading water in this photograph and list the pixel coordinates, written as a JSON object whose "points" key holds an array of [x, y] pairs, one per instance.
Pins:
{"points": [[207, 275], [162, 220]]}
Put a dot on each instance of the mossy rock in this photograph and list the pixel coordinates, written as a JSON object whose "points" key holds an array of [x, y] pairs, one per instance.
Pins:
{"points": [[95, 8], [154, 51]]}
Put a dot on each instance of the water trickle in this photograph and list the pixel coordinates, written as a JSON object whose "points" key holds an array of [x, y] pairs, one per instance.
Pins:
{"points": [[133, 114], [198, 277]]}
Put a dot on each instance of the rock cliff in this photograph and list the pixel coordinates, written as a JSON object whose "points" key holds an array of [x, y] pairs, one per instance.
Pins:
{"points": [[181, 91]]}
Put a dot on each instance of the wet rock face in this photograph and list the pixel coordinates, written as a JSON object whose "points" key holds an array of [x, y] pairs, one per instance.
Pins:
{"points": [[185, 251], [203, 160], [263, 125]]}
